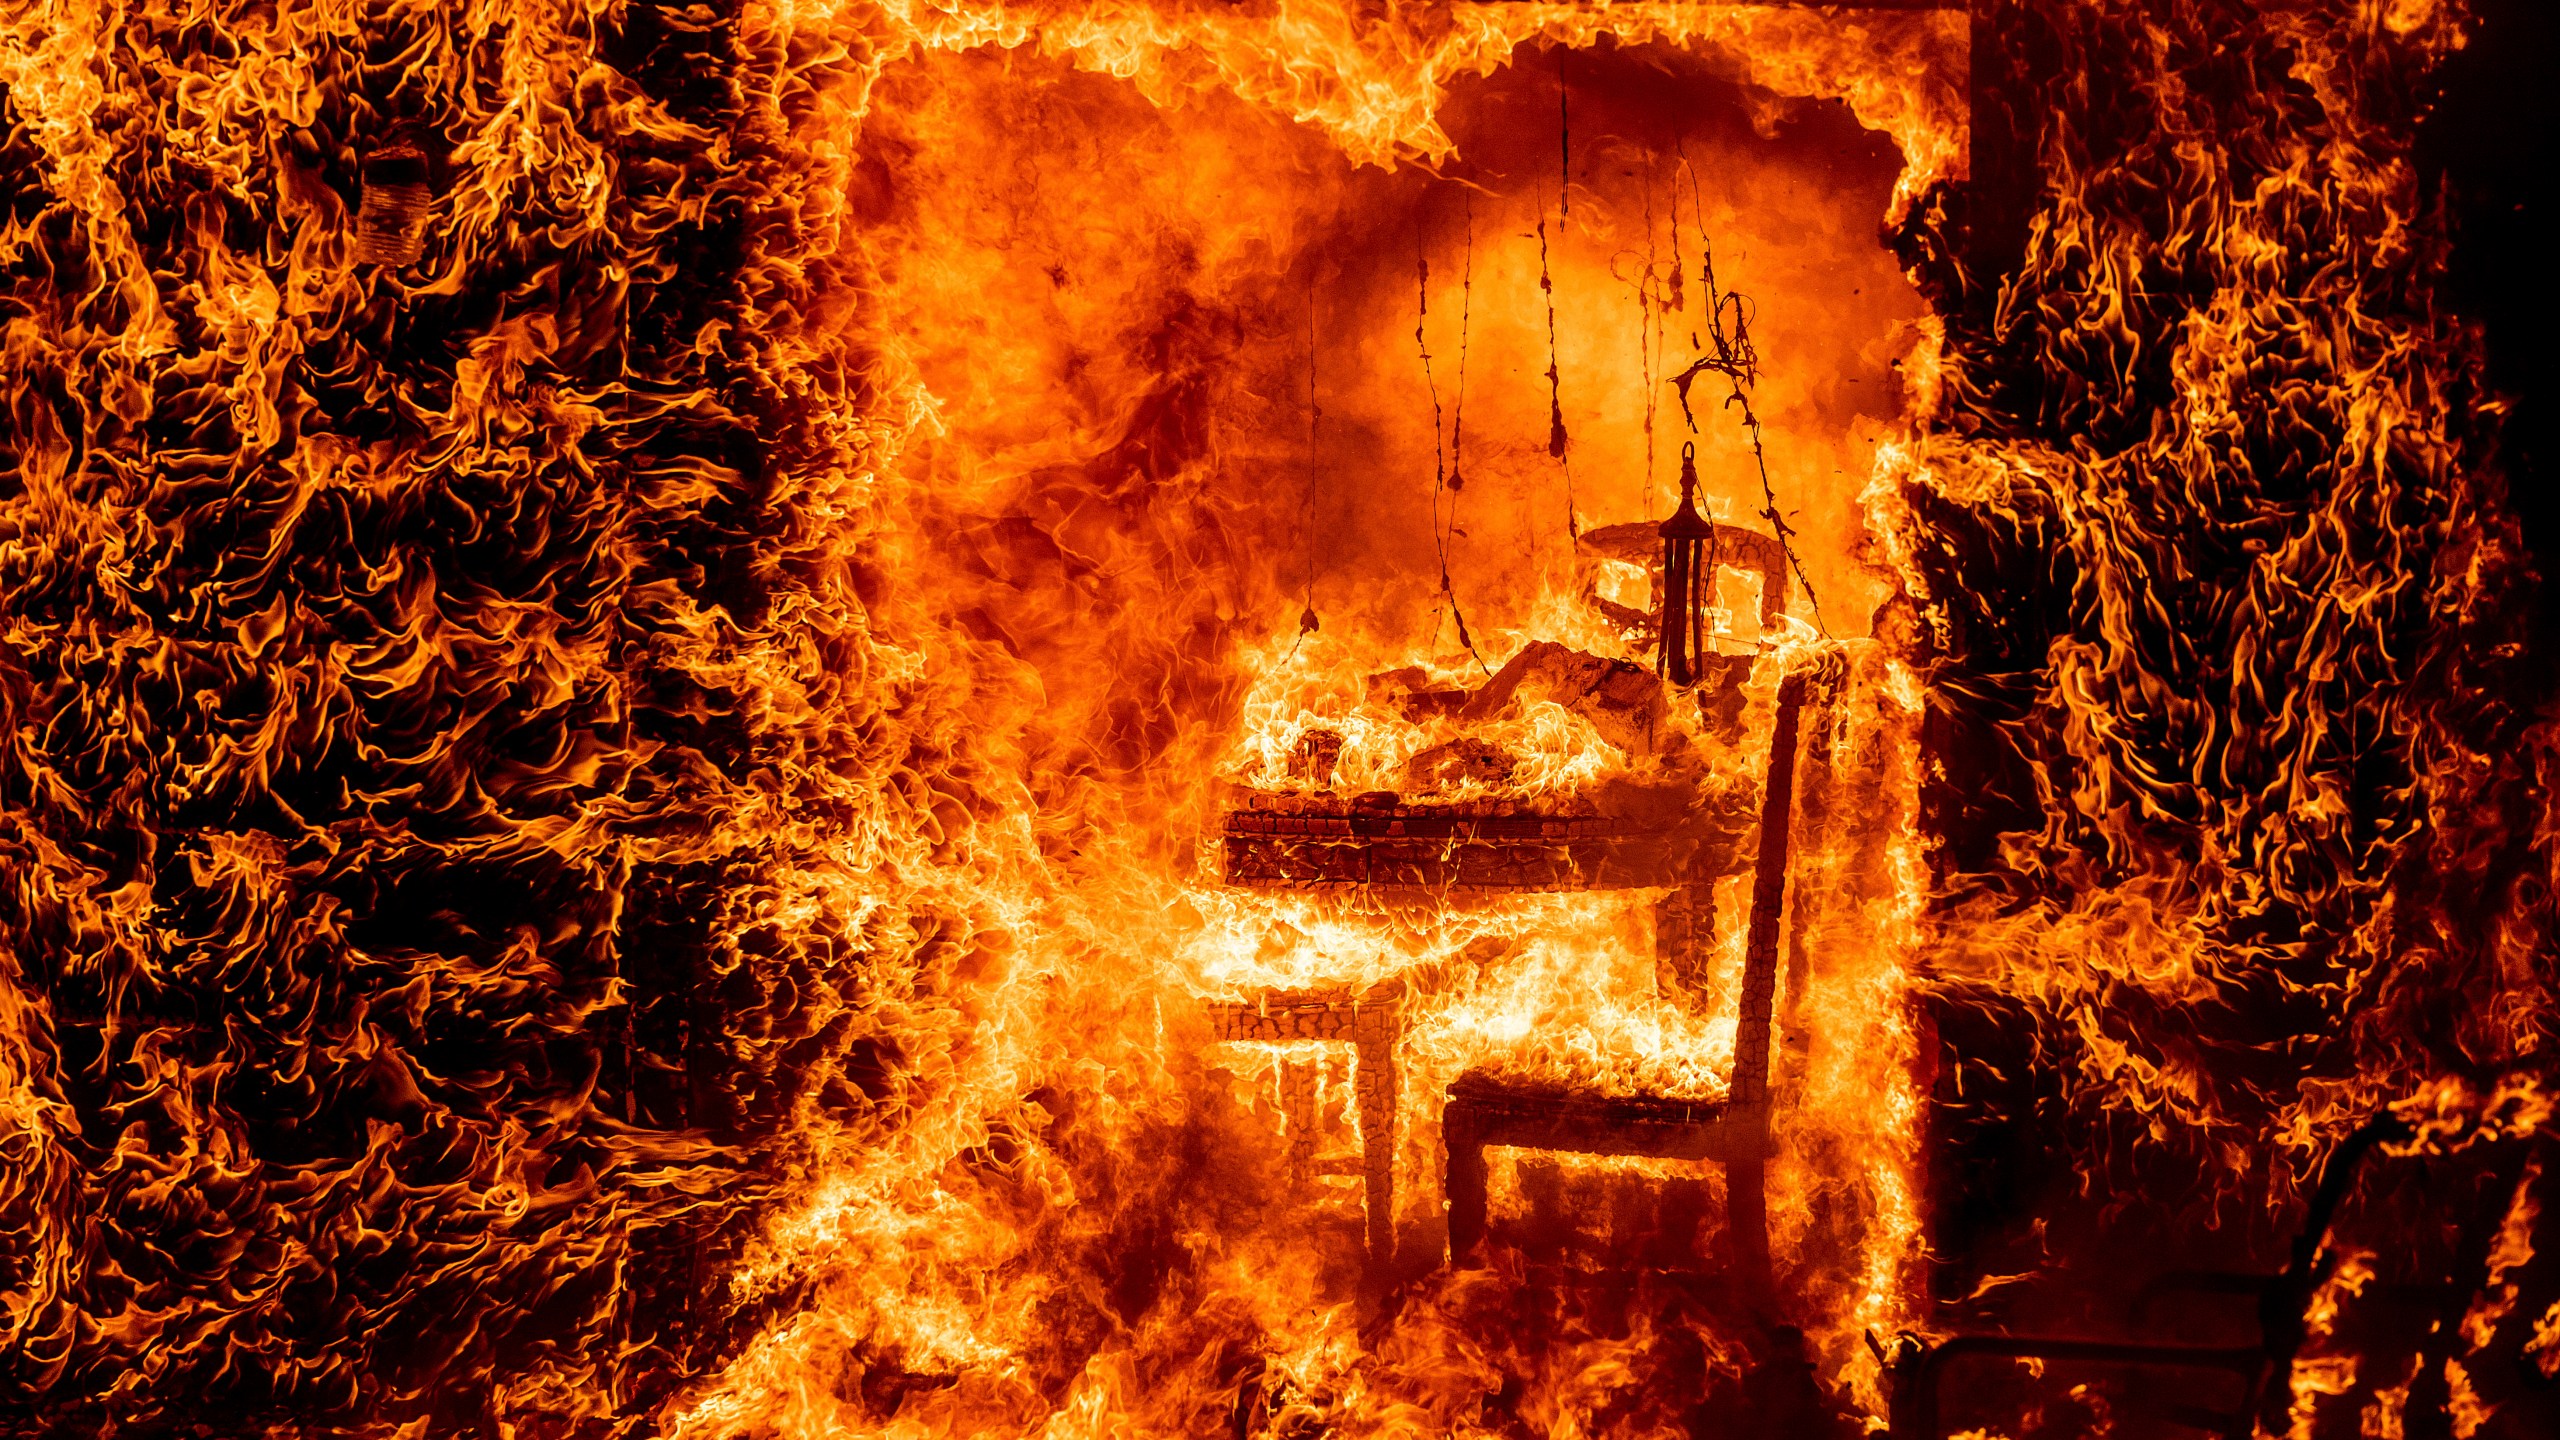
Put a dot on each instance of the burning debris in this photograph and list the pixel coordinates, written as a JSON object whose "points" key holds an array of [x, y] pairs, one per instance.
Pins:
{"points": [[673, 767]]}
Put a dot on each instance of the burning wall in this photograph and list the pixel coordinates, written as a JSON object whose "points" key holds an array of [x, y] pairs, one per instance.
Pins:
{"points": [[602, 824]]}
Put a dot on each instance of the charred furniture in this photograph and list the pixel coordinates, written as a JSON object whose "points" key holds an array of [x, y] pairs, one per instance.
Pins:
{"points": [[1680, 837], [1383, 843], [1734, 1132], [2262, 1371], [1370, 1023]]}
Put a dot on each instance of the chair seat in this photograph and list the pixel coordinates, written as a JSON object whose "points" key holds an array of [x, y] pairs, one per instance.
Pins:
{"points": [[1488, 1110]]}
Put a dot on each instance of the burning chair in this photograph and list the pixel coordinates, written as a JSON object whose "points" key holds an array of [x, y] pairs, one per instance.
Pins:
{"points": [[1381, 843], [1370, 1022], [1426, 854], [1485, 1111]]}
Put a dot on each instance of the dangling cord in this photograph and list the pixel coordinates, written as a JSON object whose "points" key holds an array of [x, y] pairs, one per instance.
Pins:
{"points": [[1439, 440], [1564, 139], [1648, 334], [1307, 622], [1697, 223], [1730, 353], [1422, 346], [1777, 522], [1458, 413], [1557, 443], [1555, 391], [1676, 298], [1457, 480]]}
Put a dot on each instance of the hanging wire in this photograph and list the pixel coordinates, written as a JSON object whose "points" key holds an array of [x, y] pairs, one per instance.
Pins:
{"points": [[1564, 138], [1422, 346], [1729, 352], [1674, 298], [1458, 413], [1556, 438], [1558, 443], [1441, 450], [1694, 600], [1697, 216], [1453, 479], [1307, 622], [1648, 334]]}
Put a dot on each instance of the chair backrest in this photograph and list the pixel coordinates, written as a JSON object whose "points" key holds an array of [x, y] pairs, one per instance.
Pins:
{"points": [[1768, 904]]}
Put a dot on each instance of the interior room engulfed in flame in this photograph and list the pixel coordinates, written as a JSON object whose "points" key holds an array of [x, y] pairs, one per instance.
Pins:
{"points": [[1248, 466]]}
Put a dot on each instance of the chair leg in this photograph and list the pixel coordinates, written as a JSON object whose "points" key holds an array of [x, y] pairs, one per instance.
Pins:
{"points": [[1465, 1189], [1374, 1083], [1746, 1211], [1304, 1117], [1684, 932]]}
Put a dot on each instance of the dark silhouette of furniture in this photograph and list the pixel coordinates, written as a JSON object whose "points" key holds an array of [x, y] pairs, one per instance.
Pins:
{"points": [[1918, 1369], [1370, 1023], [1429, 853]]}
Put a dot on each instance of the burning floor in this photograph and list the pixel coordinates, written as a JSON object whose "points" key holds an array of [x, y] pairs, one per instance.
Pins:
{"points": [[1269, 720]]}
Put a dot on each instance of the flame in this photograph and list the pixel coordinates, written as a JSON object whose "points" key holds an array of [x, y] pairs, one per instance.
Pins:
{"points": [[629, 631], [1108, 497]]}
